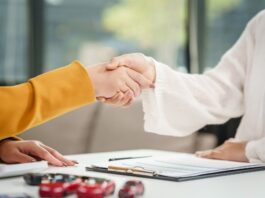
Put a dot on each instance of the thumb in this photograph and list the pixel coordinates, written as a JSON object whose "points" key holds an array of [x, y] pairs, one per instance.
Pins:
{"points": [[140, 79], [113, 64], [101, 99]]}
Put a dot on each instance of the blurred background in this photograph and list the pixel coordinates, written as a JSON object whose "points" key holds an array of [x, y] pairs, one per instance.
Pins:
{"points": [[188, 35]]}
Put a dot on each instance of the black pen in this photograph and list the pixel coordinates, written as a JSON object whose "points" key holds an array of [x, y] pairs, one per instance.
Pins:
{"points": [[125, 158]]}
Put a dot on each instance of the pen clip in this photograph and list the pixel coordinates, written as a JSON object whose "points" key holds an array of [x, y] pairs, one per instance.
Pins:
{"points": [[132, 170]]}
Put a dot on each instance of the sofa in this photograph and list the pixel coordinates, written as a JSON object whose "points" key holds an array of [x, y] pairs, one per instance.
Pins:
{"points": [[99, 128]]}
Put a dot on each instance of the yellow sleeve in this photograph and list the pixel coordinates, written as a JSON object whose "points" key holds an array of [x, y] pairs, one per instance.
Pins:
{"points": [[44, 97]]}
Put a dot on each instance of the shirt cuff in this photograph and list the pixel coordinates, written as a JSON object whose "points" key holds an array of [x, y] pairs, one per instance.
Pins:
{"points": [[252, 152], [13, 138], [153, 115]]}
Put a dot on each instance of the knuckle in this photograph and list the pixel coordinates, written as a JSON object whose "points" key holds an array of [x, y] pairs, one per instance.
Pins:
{"points": [[35, 142]]}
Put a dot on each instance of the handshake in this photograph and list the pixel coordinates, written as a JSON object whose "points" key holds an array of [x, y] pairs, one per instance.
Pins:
{"points": [[119, 81]]}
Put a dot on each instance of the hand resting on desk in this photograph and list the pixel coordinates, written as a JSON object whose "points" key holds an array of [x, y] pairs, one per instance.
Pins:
{"points": [[12, 151], [231, 149]]}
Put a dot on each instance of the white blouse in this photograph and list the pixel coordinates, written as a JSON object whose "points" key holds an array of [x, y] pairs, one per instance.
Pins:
{"points": [[183, 103]]}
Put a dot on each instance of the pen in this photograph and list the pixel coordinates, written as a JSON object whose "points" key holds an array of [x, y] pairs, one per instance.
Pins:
{"points": [[132, 170], [125, 158]]}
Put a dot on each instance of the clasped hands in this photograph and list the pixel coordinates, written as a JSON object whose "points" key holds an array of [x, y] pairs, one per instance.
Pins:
{"points": [[122, 79], [117, 82]]}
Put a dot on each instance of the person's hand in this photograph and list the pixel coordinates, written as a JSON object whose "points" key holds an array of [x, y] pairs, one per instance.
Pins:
{"points": [[121, 80], [231, 149], [137, 62], [30, 151]]}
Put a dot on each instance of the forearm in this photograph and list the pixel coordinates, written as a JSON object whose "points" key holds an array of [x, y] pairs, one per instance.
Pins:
{"points": [[182, 103], [43, 98]]}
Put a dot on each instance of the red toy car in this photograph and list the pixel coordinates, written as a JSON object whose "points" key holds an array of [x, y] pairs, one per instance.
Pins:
{"points": [[96, 188], [59, 186], [132, 189]]}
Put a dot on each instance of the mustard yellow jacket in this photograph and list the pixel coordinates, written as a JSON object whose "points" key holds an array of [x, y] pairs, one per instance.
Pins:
{"points": [[43, 98]]}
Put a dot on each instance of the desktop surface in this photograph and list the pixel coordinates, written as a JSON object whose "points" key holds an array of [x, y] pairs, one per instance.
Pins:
{"points": [[240, 185]]}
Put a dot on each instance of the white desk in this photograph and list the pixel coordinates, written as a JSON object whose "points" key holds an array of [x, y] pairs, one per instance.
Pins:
{"points": [[236, 186]]}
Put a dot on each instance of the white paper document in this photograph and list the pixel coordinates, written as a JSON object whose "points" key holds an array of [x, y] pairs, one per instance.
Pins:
{"points": [[9, 170], [179, 165]]}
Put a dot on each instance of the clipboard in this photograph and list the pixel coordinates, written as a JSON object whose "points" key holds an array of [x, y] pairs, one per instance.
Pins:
{"points": [[140, 171]]}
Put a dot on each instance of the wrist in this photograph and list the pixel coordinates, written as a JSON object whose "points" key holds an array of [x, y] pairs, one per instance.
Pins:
{"points": [[152, 72], [243, 148], [94, 73], [3, 143]]}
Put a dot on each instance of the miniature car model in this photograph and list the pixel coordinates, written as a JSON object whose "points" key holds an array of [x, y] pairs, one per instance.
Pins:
{"points": [[60, 186], [132, 189], [96, 188]]}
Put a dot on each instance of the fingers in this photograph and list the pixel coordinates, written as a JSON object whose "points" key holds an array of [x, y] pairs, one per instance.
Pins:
{"points": [[134, 86], [135, 61], [30, 151], [128, 103], [101, 99], [39, 151], [115, 100], [128, 97], [114, 64], [202, 153], [117, 62], [59, 156], [121, 99], [123, 88], [19, 157], [143, 82], [210, 154]]}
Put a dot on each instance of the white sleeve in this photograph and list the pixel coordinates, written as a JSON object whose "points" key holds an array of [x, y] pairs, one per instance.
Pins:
{"points": [[183, 103], [255, 151]]}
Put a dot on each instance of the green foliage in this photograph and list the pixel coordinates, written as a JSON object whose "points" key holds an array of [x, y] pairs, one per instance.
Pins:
{"points": [[217, 7], [148, 22]]}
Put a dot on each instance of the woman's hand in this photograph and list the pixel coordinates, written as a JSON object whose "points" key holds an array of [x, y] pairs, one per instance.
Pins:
{"points": [[107, 83], [232, 150], [30, 151], [137, 62]]}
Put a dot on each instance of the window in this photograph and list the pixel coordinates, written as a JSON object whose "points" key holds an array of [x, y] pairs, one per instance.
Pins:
{"points": [[13, 41], [94, 31], [224, 21], [37, 36]]}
